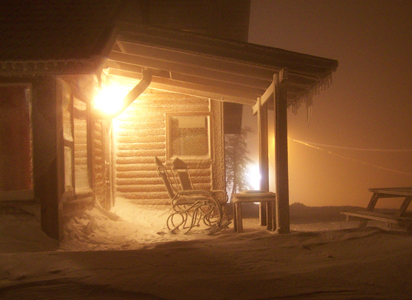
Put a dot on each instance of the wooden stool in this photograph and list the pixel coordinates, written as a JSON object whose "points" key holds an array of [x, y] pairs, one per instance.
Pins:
{"points": [[254, 196]]}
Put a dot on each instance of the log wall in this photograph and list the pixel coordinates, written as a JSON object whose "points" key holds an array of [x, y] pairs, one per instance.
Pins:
{"points": [[139, 135]]}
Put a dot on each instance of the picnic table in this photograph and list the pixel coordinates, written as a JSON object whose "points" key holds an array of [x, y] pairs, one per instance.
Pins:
{"points": [[398, 217]]}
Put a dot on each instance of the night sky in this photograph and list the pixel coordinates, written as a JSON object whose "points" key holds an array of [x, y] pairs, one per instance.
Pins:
{"points": [[365, 114]]}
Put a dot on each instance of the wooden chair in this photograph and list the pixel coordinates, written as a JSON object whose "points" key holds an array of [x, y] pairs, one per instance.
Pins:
{"points": [[190, 206], [181, 171]]}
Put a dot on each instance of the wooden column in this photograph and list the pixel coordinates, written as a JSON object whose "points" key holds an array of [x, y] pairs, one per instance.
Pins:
{"points": [[262, 115], [281, 152]]}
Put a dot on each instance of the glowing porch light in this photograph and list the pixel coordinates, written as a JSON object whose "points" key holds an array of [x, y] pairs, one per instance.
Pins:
{"points": [[110, 99], [253, 176]]}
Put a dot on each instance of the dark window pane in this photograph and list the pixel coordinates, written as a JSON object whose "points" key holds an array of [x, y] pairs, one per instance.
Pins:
{"points": [[15, 139]]}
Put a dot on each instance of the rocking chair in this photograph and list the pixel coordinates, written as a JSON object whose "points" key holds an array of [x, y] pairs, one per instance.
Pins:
{"points": [[190, 206]]}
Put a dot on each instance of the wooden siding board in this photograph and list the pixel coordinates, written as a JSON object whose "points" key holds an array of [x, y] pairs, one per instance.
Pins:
{"points": [[154, 197], [142, 131], [138, 124], [142, 146], [135, 153], [142, 139]]}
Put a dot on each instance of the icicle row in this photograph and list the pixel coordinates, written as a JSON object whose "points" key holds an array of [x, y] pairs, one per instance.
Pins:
{"points": [[307, 98]]}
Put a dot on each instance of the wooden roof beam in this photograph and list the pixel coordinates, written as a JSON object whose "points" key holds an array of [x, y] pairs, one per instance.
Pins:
{"points": [[226, 65], [199, 60], [195, 90], [159, 64], [240, 86]]}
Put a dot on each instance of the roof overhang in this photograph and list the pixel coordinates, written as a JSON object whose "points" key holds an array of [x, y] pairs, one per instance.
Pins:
{"points": [[205, 66]]}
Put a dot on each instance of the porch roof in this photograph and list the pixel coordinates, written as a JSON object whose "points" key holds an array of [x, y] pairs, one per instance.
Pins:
{"points": [[205, 66]]}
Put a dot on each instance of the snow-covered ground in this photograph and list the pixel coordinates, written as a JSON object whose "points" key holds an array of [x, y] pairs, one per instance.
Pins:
{"points": [[135, 257]]}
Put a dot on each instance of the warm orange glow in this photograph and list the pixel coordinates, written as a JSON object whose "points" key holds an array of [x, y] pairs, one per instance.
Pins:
{"points": [[253, 176], [110, 99]]}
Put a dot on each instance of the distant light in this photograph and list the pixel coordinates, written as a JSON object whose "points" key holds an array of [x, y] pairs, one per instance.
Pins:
{"points": [[253, 176], [110, 99]]}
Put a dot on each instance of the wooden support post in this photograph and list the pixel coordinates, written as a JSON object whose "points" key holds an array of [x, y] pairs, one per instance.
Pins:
{"points": [[262, 115], [404, 206], [371, 207], [281, 153]]}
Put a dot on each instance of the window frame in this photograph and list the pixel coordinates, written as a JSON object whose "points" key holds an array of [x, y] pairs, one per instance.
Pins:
{"points": [[74, 192], [169, 154]]}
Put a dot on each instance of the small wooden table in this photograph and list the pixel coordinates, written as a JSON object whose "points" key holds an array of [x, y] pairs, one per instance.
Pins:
{"points": [[398, 217], [268, 198]]}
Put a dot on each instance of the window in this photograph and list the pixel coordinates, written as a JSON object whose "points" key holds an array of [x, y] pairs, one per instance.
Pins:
{"points": [[76, 137], [81, 157], [187, 135], [16, 167]]}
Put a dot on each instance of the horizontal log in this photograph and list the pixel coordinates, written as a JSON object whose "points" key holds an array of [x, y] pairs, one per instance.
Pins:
{"points": [[98, 152], [135, 160], [141, 153], [156, 201], [98, 168], [200, 172], [132, 118], [202, 186], [80, 140], [142, 146], [98, 187], [135, 113], [97, 143], [137, 174], [142, 139], [97, 135], [195, 165], [98, 160], [139, 181], [80, 152], [136, 167], [80, 147], [143, 131], [154, 187], [98, 178], [141, 188], [82, 161], [98, 181], [140, 195], [80, 127], [198, 182], [97, 126], [156, 123]]}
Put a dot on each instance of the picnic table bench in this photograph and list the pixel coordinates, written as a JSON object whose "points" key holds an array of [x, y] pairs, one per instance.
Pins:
{"points": [[399, 217]]}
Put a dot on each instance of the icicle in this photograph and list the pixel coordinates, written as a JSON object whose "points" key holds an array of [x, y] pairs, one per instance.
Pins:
{"points": [[307, 98]]}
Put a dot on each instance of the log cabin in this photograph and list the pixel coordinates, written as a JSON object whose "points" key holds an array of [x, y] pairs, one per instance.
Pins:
{"points": [[178, 74]]}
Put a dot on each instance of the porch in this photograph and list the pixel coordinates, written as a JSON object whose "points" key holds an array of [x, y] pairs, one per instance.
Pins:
{"points": [[198, 74]]}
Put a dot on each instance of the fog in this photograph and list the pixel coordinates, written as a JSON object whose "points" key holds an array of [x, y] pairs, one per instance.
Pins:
{"points": [[359, 129]]}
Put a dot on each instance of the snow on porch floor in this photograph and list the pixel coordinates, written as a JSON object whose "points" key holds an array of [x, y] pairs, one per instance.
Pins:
{"points": [[129, 227]]}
